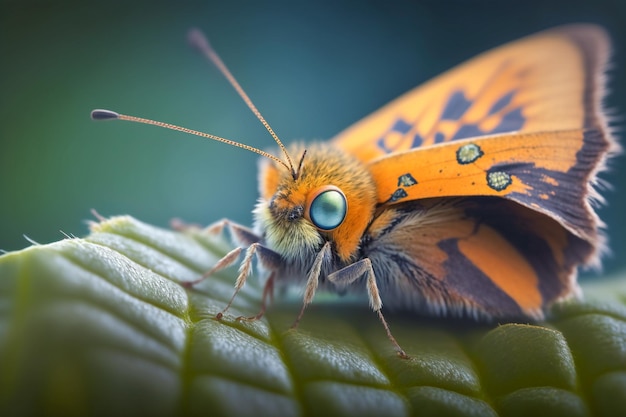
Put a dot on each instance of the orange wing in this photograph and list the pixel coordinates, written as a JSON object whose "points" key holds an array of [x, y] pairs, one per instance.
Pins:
{"points": [[522, 121], [483, 257], [542, 83]]}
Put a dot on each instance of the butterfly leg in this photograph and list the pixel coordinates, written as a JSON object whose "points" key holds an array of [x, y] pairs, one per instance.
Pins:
{"points": [[268, 292], [244, 270], [312, 281], [245, 236], [351, 273], [240, 233], [270, 260], [182, 226], [225, 262]]}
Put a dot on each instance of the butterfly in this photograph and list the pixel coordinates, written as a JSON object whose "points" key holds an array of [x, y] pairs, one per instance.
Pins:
{"points": [[470, 195]]}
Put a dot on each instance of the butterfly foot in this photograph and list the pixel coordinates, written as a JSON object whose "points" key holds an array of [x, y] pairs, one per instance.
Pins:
{"points": [[295, 324], [251, 318], [402, 354], [188, 284], [182, 226]]}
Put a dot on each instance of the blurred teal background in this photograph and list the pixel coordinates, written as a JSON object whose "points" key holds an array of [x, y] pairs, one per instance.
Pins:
{"points": [[312, 68]]}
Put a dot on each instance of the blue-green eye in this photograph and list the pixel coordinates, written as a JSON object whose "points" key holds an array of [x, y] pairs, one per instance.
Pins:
{"points": [[327, 208]]}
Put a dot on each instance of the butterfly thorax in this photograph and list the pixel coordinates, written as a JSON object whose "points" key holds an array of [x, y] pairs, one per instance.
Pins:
{"points": [[282, 215]]}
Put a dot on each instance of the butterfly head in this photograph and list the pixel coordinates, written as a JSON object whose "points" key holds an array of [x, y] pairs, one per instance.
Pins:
{"points": [[332, 198]]}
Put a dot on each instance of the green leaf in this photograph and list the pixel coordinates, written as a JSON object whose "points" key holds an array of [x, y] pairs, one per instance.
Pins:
{"points": [[102, 326]]}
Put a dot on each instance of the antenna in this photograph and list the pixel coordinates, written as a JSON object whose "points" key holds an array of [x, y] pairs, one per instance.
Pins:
{"points": [[199, 41], [102, 114]]}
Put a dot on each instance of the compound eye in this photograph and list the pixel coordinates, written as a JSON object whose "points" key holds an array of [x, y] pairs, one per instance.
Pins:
{"points": [[327, 207]]}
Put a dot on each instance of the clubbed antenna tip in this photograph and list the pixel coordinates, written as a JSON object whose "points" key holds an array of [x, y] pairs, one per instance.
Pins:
{"points": [[196, 38], [101, 114]]}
